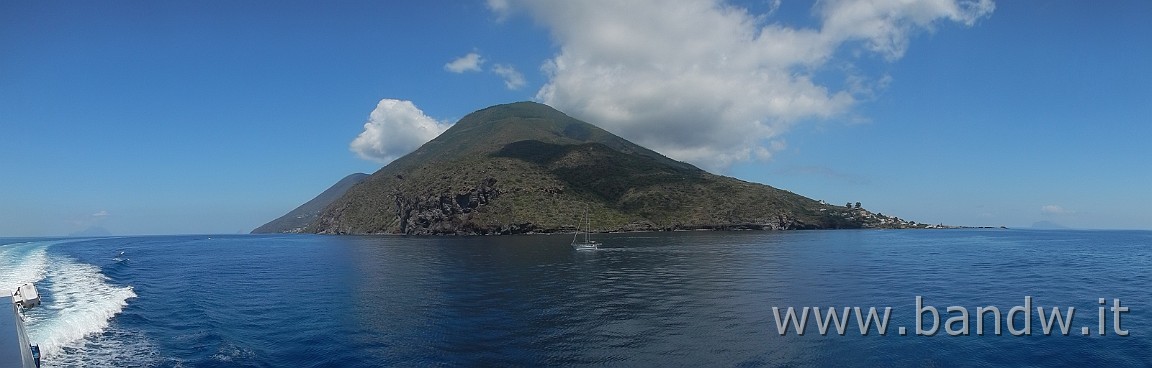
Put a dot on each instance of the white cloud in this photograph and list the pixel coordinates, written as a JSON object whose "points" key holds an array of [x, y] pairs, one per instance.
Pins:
{"points": [[501, 7], [395, 128], [1055, 210], [512, 78], [708, 82], [773, 6], [885, 26], [472, 62], [101, 214], [466, 63]]}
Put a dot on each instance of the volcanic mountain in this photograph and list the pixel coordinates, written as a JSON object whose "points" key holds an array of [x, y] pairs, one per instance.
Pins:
{"points": [[526, 167]]}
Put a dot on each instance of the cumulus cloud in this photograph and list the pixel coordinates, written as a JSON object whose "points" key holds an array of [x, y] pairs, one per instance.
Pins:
{"points": [[101, 214], [395, 128], [466, 63], [885, 26], [512, 78], [710, 83]]}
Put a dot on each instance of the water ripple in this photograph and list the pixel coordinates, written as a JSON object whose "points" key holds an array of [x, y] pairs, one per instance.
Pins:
{"points": [[669, 299]]}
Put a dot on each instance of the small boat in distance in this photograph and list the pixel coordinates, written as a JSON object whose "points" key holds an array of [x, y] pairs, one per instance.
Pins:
{"points": [[584, 244]]}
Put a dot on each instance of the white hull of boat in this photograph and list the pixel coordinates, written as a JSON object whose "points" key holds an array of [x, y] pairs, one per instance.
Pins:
{"points": [[585, 246]]}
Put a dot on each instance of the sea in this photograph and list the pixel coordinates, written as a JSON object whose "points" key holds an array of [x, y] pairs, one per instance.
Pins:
{"points": [[671, 299]]}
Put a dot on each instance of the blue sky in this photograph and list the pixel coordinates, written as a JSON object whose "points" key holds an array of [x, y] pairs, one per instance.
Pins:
{"points": [[216, 116]]}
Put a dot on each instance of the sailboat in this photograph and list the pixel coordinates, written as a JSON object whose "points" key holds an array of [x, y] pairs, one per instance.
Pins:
{"points": [[584, 244]]}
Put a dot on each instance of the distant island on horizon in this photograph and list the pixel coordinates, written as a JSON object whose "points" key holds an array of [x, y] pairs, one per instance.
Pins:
{"points": [[527, 168]]}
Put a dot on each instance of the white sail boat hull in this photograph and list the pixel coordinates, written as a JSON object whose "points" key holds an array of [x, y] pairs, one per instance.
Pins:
{"points": [[586, 246]]}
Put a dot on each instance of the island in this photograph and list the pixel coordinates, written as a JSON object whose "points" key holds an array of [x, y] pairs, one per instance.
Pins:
{"points": [[527, 168]]}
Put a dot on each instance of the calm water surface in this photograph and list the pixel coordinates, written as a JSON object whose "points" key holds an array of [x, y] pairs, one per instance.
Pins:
{"points": [[658, 299]]}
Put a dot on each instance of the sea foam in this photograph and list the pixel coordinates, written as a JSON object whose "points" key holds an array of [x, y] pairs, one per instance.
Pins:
{"points": [[21, 263], [78, 301]]}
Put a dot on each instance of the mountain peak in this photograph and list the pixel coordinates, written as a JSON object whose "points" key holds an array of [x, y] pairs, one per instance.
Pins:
{"points": [[487, 131]]}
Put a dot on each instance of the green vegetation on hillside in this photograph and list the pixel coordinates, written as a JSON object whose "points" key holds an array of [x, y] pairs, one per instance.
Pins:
{"points": [[525, 167]]}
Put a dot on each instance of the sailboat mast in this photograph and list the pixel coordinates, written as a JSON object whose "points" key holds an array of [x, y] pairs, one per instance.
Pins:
{"points": [[576, 235], [587, 225]]}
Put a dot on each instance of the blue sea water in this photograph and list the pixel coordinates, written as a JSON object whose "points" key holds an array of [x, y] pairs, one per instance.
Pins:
{"points": [[644, 299]]}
